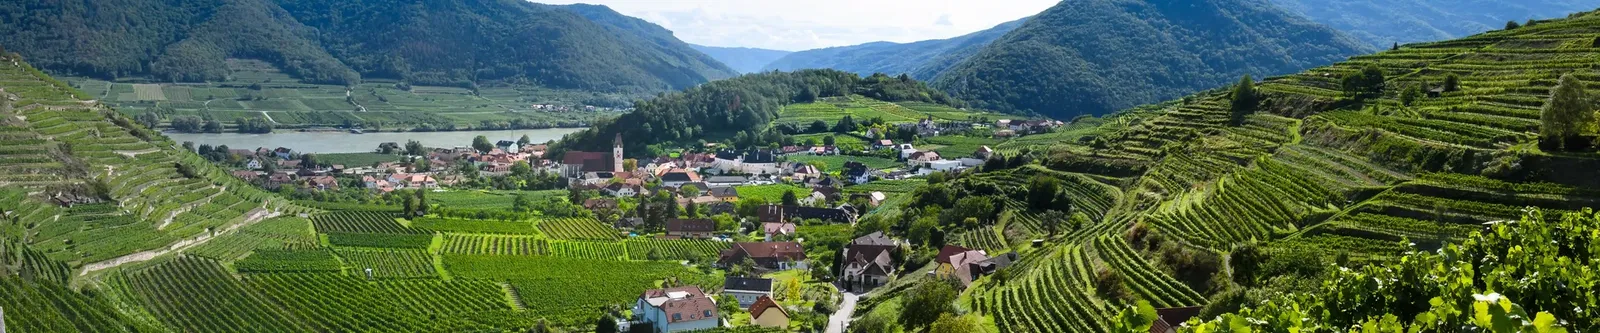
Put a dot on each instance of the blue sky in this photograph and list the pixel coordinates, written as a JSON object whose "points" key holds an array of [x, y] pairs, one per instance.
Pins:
{"points": [[803, 25]]}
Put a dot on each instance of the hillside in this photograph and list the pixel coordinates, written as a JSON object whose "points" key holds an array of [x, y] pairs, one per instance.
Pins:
{"points": [[742, 59], [437, 43], [1383, 23], [1095, 57], [1309, 178], [923, 60]]}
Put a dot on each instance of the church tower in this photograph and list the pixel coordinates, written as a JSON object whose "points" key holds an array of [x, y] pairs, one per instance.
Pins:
{"points": [[616, 154]]}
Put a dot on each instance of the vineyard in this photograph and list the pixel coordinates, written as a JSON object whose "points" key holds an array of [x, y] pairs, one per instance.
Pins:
{"points": [[576, 228], [567, 289], [674, 249], [169, 291], [389, 263]]}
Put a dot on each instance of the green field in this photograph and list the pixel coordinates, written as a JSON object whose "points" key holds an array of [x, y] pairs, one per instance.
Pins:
{"points": [[770, 193], [352, 160], [834, 163], [488, 199]]}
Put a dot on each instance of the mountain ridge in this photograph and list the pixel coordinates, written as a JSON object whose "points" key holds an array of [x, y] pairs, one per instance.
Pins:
{"points": [[922, 60]]}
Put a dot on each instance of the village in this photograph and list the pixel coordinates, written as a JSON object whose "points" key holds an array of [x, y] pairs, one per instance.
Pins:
{"points": [[763, 254]]}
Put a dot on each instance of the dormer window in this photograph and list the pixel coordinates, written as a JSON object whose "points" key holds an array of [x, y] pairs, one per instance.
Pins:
{"points": [[677, 317]]}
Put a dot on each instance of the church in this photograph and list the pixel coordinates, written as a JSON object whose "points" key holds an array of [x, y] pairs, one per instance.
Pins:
{"points": [[575, 163]]}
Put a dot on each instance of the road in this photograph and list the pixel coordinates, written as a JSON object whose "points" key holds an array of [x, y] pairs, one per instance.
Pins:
{"points": [[837, 322]]}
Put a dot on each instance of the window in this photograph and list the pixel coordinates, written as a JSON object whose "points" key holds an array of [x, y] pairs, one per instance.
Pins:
{"points": [[708, 313], [677, 317]]}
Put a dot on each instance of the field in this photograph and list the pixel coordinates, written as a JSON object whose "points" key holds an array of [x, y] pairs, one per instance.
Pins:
{"points": [[351, 160], [487, 199], [770, 193], [474, 226], [576, 228]]}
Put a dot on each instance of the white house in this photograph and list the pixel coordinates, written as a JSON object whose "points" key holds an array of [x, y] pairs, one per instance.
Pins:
{"points": [[253, 164], [677, 309], [944, 165], [746, 290]]}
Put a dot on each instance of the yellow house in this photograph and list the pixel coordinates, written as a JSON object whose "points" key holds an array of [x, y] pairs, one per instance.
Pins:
{"points": [[766, 313]]}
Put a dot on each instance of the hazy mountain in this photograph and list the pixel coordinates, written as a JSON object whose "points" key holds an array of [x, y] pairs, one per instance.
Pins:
{"points": [[1385, 22], [454, 42], [742, 59], [1097, 56], [923, 60]]}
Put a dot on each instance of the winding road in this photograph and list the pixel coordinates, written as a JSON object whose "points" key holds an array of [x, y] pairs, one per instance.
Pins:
{"points": [[841, 318]]}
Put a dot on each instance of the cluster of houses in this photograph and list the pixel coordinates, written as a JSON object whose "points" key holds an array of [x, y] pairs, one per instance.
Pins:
{"points": [[1006, 128]]}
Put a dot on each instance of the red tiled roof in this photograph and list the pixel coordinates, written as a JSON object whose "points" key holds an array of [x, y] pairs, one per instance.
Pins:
{"points": [[762, 305], [949, 250]]}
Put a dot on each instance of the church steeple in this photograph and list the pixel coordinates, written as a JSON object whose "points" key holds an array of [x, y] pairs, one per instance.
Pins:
{"points": [[616, 154]]}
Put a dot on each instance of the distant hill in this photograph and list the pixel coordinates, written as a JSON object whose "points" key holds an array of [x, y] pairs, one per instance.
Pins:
{"points": [[742, 59], [922, 60], [1097, 56], [1385, 22], [452, 42]]}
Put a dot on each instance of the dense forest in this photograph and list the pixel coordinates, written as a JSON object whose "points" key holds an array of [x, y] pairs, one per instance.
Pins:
{"points": [[1094, 57], [923, 60], [456, 42], [1386, 22], [741, 105]]}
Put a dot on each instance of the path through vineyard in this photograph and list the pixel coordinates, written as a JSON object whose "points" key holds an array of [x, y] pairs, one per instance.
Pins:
{"points": [[254, 216]]}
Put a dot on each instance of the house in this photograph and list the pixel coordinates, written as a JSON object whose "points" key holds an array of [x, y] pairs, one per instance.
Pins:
{"points": [[873, 199], [746, 290], [721, 207], [767, 313], [944, 165], [575, 163], [726, 181], [868, 262], [759, 162], [622, 190], [677, 309], [288, 164], [678, 177], [955, 262], [691, 228], [1168, 319], [770, 214], [885, 143], [724, 194], [767, 255], [421, 181], [628, 223], [245, 175], [777, 229], [507, 146], [1005, 133], [922, 157], [282, 153], [836, 215], [322, 183], [600, 205], [856, 172], [253, 164], [995, 263], [983, 153]]}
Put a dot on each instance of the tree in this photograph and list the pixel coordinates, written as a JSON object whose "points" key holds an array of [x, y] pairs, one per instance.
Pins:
{"points": [[922, 229], [845, 125], [482, 144], [789, 199], [948, 323], [1244, 261], [1452, 82], [1244, 100], [524, 140], [630, 164], [522, 203], [1396, 47], [1410, 95], [414, 148], [817, 126], [829, 140], [213, 126], [689, 191], [1567, 114], [691, 210], [188, 145], [308, 161], [926, 302], [605, 324], [1512, 25], [874, 322], [1042, 192], [1052, 221], [1369, 81]]}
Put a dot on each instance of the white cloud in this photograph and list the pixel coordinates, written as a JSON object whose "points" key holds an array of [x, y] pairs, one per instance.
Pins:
{"points": [[801, 25]]}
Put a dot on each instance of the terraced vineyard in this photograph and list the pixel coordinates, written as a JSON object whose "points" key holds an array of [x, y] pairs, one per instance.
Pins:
{"points": [[674, 249], [173, 292], [495, 244]]}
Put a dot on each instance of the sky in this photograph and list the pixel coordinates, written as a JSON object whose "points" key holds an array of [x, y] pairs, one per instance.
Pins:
{"points": [[810, 24]]}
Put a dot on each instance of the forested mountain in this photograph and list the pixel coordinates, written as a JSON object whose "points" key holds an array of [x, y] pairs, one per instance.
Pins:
{"points": [[1385, 22], [742, 59], [1096, 56], [922, 60], [453, 42]]}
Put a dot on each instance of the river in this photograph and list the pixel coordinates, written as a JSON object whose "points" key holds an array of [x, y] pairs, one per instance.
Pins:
{"points": [[341, 142]]}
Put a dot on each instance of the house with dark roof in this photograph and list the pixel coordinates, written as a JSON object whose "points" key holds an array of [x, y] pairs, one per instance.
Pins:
{"points": [[746, 289], [677, 310], [691, 228], [767, 313], [856, 172], [767, 255], [955, 262], [718, 181], [778, 214], [721, 207], [679, 177], [868, 262], [725, 193]]}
